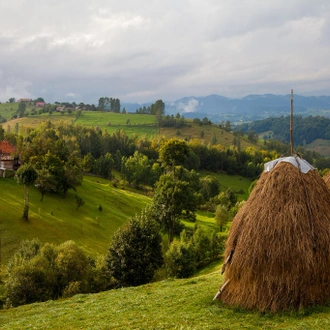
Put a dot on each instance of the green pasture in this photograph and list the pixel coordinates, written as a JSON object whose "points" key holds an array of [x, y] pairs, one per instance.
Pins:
{"points": [[111, 122], [170, 304], [34, 121], [237, 183], [208, 134], [7, 109], [57, 220]]}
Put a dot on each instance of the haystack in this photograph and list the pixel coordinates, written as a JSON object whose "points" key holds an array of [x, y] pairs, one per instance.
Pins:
{"points": [[278, 250]]}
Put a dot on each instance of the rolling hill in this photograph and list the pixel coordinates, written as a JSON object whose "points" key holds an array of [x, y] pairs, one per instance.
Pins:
{"points": [[171, 304]]}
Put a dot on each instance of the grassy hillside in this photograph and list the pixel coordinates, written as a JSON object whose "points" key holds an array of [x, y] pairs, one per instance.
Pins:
{"points": [[112, 122], [33, 121], [321, 146], [138, 124], [56, 219], [170, 304], [7, 109], [207, 133]]}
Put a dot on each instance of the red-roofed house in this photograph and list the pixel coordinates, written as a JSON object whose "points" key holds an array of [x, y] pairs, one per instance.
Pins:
{"points": [[8, 161], [24, 100], [40, 104]]}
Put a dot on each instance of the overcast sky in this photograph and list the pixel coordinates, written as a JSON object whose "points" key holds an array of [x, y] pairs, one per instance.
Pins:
{"points": [[144, 50]]}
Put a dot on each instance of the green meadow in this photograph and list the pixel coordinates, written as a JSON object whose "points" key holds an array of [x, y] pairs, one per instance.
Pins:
{"points": [[170, 304], [56, 219], [8, 109]]}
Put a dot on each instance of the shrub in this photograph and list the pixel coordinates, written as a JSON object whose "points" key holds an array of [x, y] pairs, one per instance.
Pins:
{"points": [[72, 264], [202, 247], [180, 259], [31, 281], [135, 251], [38, 273]]}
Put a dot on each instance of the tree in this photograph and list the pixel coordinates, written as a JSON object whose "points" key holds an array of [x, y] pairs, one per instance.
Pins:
{"points": [[180, 258], [221, 216], [175, 197], [45, 182], [79, 201], [210, 187], [136, 169], [12, 100], [227, 126], [2, 133], [21, 109], [135, 251], [26, 175], [173, 152]]}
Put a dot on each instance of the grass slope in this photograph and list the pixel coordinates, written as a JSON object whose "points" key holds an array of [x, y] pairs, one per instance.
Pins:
{"points": [[113, 122], [56, 219], [170, 304], [140, 125], [212, 134], [321, 146]]}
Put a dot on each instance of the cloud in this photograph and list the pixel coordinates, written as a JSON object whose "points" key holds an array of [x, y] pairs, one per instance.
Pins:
{"points": [[147, 50], [191, 106]]}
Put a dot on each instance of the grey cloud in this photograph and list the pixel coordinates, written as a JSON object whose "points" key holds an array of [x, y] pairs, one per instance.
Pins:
{"points": [[145, 50]]}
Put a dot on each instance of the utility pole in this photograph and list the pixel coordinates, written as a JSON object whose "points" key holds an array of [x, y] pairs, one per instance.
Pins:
{"points": [[291, 122]]}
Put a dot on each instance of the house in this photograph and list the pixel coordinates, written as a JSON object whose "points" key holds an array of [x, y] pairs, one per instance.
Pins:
{"points": [[60, 109], [8, 161], [24, 100], [40, 104]]}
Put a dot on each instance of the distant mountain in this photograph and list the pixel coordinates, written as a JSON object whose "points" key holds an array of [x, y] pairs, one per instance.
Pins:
{"points": [[252, 107], [248, 108]]}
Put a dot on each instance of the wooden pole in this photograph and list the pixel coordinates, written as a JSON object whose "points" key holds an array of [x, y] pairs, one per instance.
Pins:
{"points": [[291, 122]]}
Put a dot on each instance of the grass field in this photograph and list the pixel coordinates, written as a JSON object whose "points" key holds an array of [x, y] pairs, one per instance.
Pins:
{"points": [[211, 135], [169, 304], [321, 146], [56, 219], [112, 122], [7, 109], [236, 183]]}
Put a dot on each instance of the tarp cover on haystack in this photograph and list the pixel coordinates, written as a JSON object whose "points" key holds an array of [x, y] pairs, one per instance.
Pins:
{"points": [[277, 254]]}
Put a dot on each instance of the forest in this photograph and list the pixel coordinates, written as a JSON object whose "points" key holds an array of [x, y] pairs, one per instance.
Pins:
{"points": [[305, 129]]}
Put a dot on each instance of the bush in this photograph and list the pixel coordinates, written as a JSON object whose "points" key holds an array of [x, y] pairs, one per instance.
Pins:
{"points": [[202, 247], [38, 273], [135, 251], [180, 259], [72, 264], [31, 281]]}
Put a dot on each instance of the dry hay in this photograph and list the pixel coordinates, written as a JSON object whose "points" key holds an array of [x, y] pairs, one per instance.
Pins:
{"points": [[279, 243], [326, 179]]}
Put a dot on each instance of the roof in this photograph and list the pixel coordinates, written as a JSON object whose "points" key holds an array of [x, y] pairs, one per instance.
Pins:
{"points": [[40, 104], [6, 147]]}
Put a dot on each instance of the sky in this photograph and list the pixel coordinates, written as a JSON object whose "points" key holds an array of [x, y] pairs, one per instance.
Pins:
{"points": [[145, 50]]}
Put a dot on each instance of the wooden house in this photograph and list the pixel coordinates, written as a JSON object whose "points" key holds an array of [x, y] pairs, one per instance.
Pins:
{"points": [[8, 160]]}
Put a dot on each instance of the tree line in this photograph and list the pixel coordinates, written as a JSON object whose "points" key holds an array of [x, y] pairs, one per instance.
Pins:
{"points": [[305, 129]]}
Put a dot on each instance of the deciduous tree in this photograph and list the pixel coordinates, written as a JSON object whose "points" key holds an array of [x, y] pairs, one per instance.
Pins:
{"points": [[26, 176], [135, 251]]}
